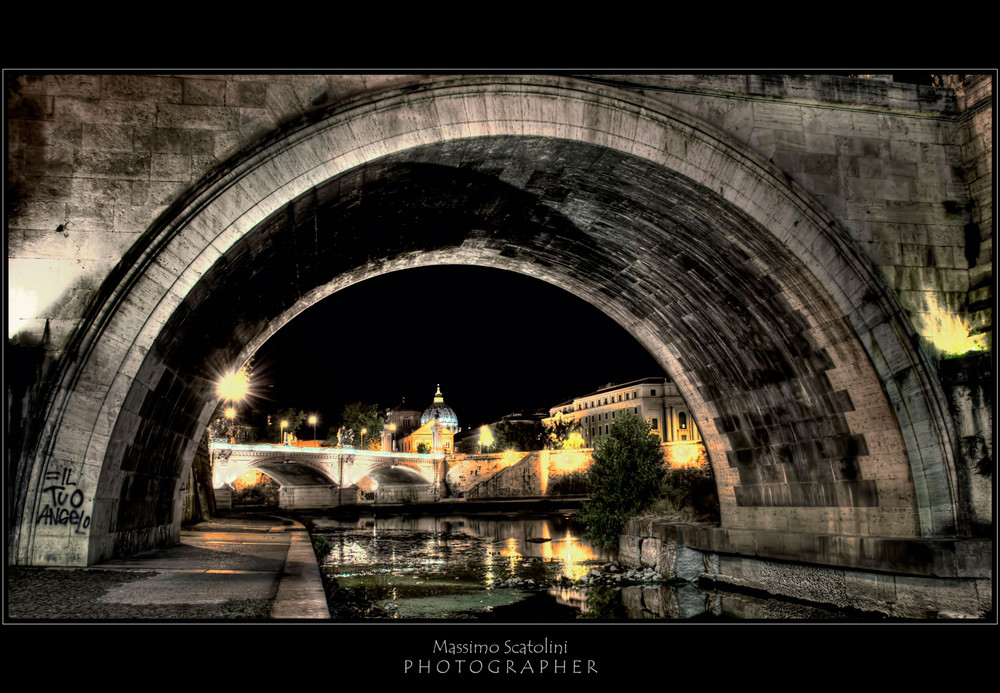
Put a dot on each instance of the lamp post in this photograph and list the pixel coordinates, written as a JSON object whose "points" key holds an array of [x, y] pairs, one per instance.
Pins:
{"points": [[312, 420], [392, 430], [363, 431], [284, 425], [231, 415]]}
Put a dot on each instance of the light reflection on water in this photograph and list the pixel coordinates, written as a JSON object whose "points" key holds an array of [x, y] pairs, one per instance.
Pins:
{"points": [[494, 548], [452, 566]]}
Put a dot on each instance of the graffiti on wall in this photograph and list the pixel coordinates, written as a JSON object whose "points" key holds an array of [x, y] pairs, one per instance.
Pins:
{"points": [[63, 501]]}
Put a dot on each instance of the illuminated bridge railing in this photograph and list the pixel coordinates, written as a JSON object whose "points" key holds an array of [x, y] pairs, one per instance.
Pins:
{"points": [[295, 450]]}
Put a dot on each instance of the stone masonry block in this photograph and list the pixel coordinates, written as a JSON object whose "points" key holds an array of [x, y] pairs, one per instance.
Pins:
{"points": [[108, 136], [125, 113], [247, 94], [649, 555], [196, 117], [690, 564], [630, 550], [138, 87], [182, 141], [204, 92]]}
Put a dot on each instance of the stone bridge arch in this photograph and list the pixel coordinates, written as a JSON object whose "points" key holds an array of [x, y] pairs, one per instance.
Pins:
{"points": [[397, 472], [272, 464], [820, 413]]}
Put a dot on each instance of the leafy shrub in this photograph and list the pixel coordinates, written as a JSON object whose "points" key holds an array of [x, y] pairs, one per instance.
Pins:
{"points": [[688, 495], [625, 478], [321, 545]]}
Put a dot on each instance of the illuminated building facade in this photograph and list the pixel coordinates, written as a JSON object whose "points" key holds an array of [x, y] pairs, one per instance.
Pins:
{"points": [[433, 435], [409, 427], [403, 419], [654, 400], [441, 412]]}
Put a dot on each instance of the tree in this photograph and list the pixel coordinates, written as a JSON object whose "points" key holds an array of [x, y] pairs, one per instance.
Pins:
{"points": [[625, 478], [294, 417], [522, 436], [357, 416], [558, 432]]}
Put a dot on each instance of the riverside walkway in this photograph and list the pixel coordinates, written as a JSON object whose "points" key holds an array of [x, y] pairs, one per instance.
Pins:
{"points": [[221, 561]]}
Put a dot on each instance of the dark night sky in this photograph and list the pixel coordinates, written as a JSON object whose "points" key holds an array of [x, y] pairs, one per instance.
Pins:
{"points": [[513, 343]]}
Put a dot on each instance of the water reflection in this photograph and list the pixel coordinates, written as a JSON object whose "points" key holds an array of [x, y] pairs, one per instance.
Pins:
{"points": [[500, 545], [461, 567]]}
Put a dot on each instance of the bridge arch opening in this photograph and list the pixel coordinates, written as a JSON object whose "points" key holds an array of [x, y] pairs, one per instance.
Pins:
{"points": [[391, 475], [782, 340]]}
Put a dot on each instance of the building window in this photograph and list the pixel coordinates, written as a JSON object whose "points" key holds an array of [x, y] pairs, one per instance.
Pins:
{"points": [[605, 429], [682, 421], [652, 393], [654, 424]]}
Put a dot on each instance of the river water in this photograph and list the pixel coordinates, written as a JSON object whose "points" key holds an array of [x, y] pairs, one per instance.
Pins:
{"points": [[461, 567]]}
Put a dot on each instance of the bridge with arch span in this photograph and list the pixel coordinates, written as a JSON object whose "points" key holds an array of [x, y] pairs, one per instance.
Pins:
{"points": [[778, 243]]}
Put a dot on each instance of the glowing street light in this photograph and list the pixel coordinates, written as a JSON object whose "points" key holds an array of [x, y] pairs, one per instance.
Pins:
{"points": [[234, 386], [485, 437], [392, 430], [284, 425], [312, 420], [363, 431]]}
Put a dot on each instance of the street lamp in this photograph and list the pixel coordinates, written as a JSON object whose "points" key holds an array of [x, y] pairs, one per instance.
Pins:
{"points": [[284, 425], [231, 415], [363, 431], [485, 438], [312, 420], [392, 430]]}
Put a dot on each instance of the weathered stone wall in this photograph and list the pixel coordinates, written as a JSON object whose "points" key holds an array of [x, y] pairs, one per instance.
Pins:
{"points": [[303, 497], [521, 479], [906, 168], [466, 471], [95, 159], [913, 580], [802, 322], [534, 475]]}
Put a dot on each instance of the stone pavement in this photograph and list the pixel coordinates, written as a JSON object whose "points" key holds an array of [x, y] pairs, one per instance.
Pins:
{"points": [[237, 557]]}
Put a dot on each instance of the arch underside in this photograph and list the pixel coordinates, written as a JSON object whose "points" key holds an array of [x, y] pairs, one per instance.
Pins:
{"points": [[762, 358], [794, 412], [293, 473], [392, 475]]}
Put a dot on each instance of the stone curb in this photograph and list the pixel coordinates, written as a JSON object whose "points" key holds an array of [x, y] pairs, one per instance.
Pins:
{"points": [[300, 588]]}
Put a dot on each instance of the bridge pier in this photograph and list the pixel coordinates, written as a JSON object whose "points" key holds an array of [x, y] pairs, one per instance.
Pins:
{"points": [[313, 497], [886, 576]]}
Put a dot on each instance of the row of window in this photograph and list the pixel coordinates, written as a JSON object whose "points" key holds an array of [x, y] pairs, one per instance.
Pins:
{"points": [[598, 417], [633, 394], [653, 422], [682, 420]]}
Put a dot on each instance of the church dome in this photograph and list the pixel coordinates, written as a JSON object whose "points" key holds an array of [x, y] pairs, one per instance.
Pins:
{"points": [[440, 411]]}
